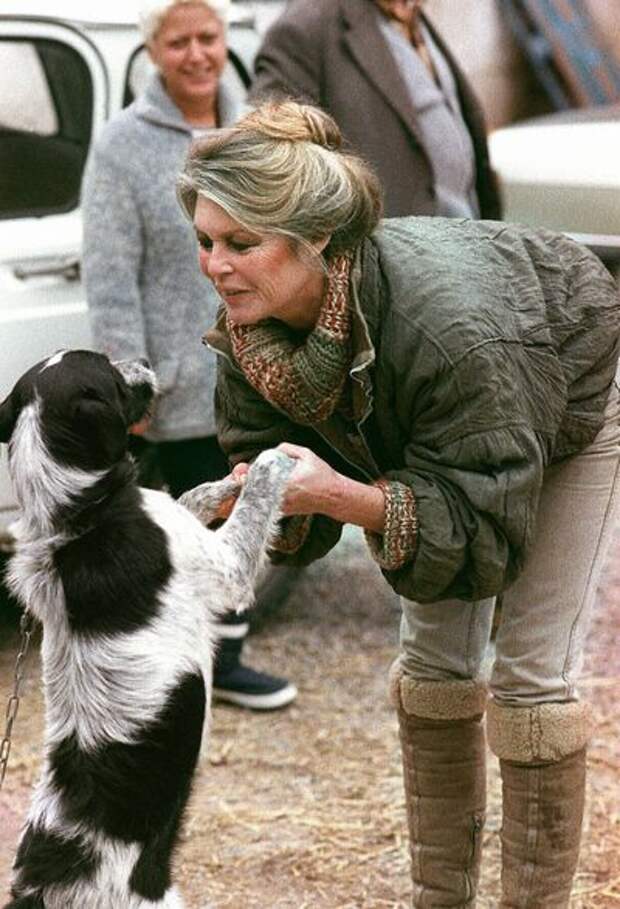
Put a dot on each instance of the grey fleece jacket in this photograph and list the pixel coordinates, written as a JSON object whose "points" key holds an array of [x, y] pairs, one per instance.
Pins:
{"points": [[146, 294]]}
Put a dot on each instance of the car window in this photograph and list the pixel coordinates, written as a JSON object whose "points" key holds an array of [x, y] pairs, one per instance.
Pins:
{"points": [[45, 124], [26, 102]]}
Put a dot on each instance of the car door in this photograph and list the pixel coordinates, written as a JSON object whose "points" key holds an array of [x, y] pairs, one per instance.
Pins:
{"points": [[53, 100]]}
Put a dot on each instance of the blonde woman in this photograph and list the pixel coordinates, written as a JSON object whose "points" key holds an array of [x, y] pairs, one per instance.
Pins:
{"points": [[447, 385]]}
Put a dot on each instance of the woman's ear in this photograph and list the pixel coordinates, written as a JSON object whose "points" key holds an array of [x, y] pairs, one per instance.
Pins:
{"points": [[320, 246], [152, 52]]}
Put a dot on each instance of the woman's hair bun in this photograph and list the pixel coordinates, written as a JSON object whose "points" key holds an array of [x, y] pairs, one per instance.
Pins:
{"points": [[295, 122], [280, 170]]}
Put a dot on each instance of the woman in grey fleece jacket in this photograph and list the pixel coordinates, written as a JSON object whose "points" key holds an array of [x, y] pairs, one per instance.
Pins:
{"points": [[146, 295]]}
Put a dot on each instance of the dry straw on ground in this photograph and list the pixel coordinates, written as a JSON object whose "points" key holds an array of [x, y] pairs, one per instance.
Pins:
{"points": [[303, 808]]}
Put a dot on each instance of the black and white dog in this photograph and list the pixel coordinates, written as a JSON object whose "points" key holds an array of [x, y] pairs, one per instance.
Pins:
{"points": [[117, 575]]}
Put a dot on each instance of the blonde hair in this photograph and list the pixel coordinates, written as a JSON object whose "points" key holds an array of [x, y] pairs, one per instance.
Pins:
{"points": [[153, 12], [280, 169]]}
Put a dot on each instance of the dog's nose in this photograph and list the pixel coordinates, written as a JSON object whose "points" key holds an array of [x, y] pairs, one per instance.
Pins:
{"points": [[144, 362]]}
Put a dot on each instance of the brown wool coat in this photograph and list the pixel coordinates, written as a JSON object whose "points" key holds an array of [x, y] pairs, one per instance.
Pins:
{"points": [[331, 53]]}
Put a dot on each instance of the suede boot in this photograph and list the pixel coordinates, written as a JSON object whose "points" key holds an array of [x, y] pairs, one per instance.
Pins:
{"points": [[543, 767], [443, 749]]}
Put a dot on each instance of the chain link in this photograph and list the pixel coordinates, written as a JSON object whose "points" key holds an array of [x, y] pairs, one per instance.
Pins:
{"points": [[26, 628]]}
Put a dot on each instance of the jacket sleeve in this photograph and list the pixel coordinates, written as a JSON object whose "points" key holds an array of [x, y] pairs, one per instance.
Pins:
{"points": [[474, 459], [475, 517], [112, 255], [289, 60], [246, 425]]}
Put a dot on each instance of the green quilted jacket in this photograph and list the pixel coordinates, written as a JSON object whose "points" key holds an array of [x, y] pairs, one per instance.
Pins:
{"points": [[483, 352]]}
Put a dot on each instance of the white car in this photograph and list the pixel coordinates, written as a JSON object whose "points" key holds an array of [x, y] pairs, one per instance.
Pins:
{"points": [[562, 171], [66, 68]]}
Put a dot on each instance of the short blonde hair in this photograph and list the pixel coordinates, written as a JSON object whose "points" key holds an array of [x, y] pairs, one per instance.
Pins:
{"points": [[280, 169], [152, 13]]}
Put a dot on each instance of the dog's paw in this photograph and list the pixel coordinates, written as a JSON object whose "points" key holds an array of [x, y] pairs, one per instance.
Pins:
{"points": [[272, 463], [205, 501]]}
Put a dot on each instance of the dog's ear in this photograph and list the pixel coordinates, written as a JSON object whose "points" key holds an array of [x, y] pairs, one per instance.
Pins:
{"points": [[7, 419], [103, 425]]}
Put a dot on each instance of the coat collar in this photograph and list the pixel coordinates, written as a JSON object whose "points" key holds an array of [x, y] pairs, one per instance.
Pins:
{"points": [[156, 106], [366, 293], [372, 55]]}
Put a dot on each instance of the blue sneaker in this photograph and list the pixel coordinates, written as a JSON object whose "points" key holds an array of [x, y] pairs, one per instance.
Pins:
{"points": [[253, 690]]}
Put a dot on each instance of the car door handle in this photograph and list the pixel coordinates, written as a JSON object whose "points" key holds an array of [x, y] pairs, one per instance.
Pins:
{"points": [[68, 268]]}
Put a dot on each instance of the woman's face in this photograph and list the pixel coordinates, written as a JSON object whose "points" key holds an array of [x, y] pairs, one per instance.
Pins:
{"points": [[190, 52], [258, 276]]}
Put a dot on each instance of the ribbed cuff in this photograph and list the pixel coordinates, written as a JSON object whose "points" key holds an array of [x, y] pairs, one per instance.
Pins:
{"points": [[397, 545]]}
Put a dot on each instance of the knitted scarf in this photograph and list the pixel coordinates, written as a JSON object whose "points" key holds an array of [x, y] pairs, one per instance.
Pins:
{"points": [[304, 378]]}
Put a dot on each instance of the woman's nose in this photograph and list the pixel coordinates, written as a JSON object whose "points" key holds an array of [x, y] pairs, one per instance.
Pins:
{"points": [[194, 49], [214, 263]]}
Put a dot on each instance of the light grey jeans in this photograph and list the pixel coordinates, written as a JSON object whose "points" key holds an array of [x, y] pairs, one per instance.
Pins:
{"points": [[546, 611]]}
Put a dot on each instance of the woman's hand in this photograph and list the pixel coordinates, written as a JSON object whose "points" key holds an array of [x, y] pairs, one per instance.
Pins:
{"points": [[138, 429], [238, 474], [313, 487], [316, 488]]}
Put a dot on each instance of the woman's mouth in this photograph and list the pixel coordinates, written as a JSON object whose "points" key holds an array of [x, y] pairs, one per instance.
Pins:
{"points": [[199, 76], [230, 295]]}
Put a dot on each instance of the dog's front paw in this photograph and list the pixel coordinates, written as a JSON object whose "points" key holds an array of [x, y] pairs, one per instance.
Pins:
{"points": [[206, 501], [271, 464]]}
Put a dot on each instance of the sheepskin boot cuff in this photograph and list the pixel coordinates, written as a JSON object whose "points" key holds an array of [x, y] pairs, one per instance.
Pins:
{"points": [[543, 733], [437, 700]]}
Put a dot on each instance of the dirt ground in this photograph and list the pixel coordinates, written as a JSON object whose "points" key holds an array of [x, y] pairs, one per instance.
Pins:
{"points": [[303, 808]]}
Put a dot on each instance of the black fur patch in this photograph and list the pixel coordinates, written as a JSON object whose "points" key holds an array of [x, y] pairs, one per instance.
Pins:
{"points": [[150, 877], [130, 791], [86, 407], [112, 575], [44, 858], [26, 902]]}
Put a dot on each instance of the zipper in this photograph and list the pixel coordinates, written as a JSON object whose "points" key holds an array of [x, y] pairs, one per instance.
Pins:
{"points": [[476, 830]]}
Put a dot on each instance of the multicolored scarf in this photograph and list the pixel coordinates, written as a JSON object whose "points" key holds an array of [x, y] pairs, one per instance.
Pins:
{"points": [[304, 378]]}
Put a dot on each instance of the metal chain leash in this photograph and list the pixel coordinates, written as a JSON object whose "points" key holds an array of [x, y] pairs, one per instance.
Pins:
{"points": [[26, 626]]}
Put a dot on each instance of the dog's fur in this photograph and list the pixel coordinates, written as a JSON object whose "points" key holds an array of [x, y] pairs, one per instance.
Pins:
{"points": [[118, 576]]}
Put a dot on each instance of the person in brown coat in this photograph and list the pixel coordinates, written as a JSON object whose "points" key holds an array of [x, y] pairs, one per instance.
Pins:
{"points": [[399, 97]]}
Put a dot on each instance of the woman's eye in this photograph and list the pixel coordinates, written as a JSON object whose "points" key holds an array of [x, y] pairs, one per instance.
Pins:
{"points": [[241, 245], [205, 243]]}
